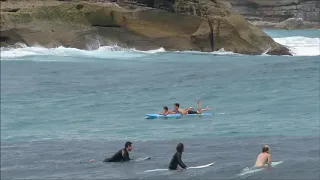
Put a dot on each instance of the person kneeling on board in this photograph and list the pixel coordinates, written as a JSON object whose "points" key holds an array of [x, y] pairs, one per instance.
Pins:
{"points": [[176, 159], [121, 155], [264, 157], [166, 111]]}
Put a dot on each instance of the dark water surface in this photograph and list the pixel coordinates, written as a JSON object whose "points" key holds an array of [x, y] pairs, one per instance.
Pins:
{"points": [[60, 110], [70, 159]]}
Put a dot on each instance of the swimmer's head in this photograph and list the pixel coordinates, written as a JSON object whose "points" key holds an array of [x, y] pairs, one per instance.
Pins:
{"points": [[180, 148], [128, 146], [266, 149], [165, 108], [176, 105]]}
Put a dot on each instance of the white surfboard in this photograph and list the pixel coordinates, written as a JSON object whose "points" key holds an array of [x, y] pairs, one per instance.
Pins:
{"points": [[194, 167], [142, 158], [155, 170], [249, 171], [137, 160], [203, 166]]}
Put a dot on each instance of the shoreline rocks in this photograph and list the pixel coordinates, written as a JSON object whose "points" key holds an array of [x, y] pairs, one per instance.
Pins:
{"points": [[197, 26]]}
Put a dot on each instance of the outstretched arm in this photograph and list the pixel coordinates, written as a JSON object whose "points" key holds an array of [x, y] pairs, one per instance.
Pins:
{"points": [[181, 164], [269, 161], [173, 112], [169, 112], [125, 156]]}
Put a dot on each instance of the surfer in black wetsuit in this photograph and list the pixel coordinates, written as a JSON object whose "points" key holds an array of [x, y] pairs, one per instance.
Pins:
{"points": [[176, 159], [121, 155]]}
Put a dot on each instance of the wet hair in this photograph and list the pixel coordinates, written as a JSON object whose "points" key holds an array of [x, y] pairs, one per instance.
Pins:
{"points": [[127, 144], [165, 107], [177, 104], [265, 148], [180, 147]]}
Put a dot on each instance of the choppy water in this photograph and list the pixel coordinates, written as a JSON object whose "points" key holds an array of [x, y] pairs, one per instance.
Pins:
{"points": [[63, 106]]}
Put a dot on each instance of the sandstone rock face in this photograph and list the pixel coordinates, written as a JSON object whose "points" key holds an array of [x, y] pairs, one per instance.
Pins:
{"points": [[200, 25]]}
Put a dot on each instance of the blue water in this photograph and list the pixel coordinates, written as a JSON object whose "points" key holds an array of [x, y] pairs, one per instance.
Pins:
{"points": [[62, 107], [311, 33]]}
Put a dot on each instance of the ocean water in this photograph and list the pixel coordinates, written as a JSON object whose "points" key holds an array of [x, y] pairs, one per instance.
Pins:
{"points": [[62, 107]]}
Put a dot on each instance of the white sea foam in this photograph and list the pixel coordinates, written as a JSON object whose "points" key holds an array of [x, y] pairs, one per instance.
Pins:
{"points": [[219, 52], [102, 52], [299, 46]]}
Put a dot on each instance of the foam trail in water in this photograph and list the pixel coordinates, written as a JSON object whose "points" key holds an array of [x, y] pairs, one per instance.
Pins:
{"points": [[301, 46]]}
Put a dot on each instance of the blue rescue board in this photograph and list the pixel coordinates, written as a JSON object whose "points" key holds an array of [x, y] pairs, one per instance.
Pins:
{"points": [[154, 116]]}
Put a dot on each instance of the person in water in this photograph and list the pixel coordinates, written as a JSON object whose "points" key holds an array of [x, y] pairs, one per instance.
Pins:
{"points": [[166, 111], [199, 111], [189, 110], [264, 157], [178, 110], [176, 159], [121, 155]]}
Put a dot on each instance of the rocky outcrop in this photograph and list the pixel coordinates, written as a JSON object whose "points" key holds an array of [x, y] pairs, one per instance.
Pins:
{"points": [[291, 23], [270, 12], [87, 26], [202, 25]]}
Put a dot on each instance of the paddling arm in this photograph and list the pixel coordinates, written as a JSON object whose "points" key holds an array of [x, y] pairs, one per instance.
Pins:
{"points": [[181, 164], [169, 112], [166, 113], [125, 156], [269, 160]]}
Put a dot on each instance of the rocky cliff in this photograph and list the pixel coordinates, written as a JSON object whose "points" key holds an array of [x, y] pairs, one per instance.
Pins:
{"points": [[200, 25], [268, 13]]}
